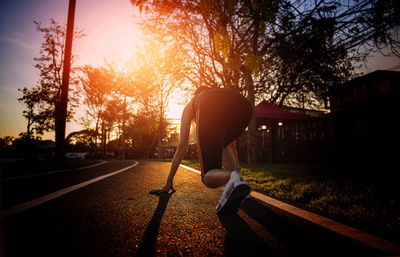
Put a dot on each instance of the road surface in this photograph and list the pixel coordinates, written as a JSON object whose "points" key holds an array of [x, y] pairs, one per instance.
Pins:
{"points": [[117, 216]]}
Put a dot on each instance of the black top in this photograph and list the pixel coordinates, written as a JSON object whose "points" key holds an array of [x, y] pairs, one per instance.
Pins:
{"points": [[195, 100]]}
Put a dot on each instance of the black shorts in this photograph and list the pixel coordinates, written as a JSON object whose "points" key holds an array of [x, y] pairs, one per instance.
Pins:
{"points": [[222, 115]]}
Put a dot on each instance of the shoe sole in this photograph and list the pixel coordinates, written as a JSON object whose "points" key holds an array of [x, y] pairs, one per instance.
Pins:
{"points": [[235, 194]]}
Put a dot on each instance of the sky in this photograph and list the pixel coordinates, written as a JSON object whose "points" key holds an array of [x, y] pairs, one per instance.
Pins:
{"points": [[111, 33]]}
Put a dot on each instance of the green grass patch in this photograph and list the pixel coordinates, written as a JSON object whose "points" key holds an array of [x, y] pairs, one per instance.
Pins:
{"points": [[371, 202], [191, 163]]}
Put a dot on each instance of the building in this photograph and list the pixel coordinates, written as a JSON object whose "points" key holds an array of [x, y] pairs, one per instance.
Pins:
{"points": [[378, 89], [364, 111], [360, 132]]}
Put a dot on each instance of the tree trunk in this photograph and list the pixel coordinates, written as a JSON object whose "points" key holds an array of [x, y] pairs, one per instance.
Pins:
{"points": [[61, 113], [153, 145], [252, 128], [123, 130], [157, 137], [103, 139]]}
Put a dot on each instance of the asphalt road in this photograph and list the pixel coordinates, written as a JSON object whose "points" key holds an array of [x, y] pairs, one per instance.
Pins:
{"points": [[118, 217]]}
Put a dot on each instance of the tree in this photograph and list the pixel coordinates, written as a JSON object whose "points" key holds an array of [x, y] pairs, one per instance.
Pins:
{"points": [[140, 133], [81, 140], [6, 146], [127, 108], [96, 86], [242, 43], [35, 114], [108, 95], [49, 64], [315, 45], [118, 116], [302, 66], [37, 120], [157, 75], [108, 119], [217, 41]]}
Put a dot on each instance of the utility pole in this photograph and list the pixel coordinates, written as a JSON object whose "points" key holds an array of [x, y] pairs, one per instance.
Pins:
{"points": [[61, 107]]}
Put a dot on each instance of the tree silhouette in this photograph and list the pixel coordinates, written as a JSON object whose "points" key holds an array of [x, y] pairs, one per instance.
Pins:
{"points": [[96, 86], [41, 101], [157, 74], [37, 117], [109, 96], [286, 51]]}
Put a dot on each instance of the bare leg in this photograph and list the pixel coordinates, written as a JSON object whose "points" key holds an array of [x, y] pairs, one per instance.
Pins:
{"points": [[215, 178], [228, 159]]}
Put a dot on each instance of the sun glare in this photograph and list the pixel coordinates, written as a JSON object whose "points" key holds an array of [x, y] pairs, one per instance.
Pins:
{"points": [[114, 39], [175, 110]]}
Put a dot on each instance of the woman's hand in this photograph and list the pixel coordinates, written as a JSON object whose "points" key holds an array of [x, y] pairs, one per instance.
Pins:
{"points": [[168, 188]]}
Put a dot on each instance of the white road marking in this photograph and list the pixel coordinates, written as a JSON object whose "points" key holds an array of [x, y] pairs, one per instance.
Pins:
{"points": [[378, 243], [191, 169], [52, 172], [30, 204], [91, 166]]}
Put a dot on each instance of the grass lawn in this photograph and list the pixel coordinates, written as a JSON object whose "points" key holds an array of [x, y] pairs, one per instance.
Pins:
{"points": [[371, 202]]}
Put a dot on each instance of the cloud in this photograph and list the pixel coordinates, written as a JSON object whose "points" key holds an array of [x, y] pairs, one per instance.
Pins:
{"points": [[17, 42]]}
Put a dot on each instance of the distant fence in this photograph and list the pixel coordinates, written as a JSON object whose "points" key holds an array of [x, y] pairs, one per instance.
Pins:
{"points": [[347, 137], [367, 137], [169, 152], [309, 141]]}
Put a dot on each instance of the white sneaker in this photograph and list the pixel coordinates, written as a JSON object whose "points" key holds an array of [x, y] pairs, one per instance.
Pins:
{"points": [[235, 191]]}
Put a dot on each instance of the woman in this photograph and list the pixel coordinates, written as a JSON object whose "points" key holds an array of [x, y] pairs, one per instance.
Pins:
{"points": [[221, 115]]}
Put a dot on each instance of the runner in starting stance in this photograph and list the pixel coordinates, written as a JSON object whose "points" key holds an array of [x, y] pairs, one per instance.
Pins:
{"points": [[221, 115]]}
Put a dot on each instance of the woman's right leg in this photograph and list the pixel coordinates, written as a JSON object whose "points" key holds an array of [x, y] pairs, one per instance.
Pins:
{"points": [[229, 162], [216, 178]]}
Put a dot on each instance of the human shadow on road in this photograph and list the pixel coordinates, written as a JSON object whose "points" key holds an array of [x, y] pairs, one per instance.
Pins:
{"points": [[146, 247], [240, 239]]}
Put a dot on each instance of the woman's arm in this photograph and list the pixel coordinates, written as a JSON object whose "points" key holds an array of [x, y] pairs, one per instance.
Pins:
{"points": [[181, 150]]}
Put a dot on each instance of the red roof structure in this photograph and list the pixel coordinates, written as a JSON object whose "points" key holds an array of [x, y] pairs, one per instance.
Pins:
{"points": [[270, 115]]}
